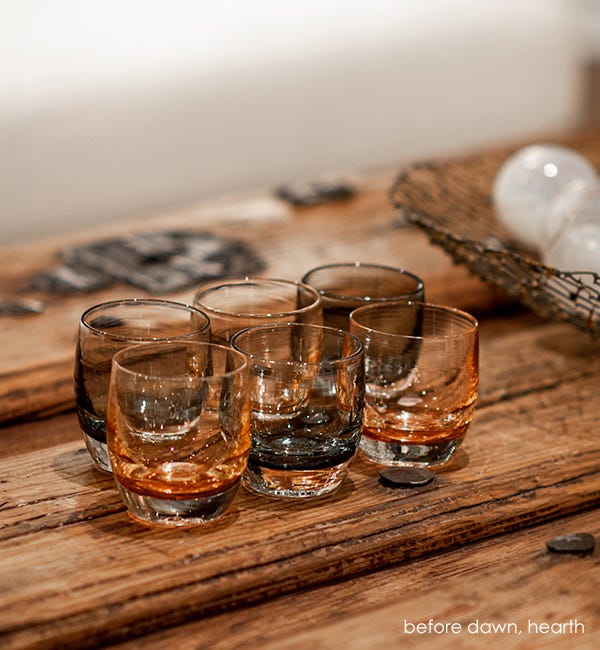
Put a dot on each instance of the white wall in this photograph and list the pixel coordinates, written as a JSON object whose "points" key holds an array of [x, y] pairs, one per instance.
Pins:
{"points": [[110, 108]]}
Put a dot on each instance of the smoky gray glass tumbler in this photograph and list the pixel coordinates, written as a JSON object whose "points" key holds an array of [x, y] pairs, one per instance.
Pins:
{"points": [[106, 328], [307, 395]]}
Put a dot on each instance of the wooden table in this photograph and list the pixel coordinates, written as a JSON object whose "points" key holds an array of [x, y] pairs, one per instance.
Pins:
{"points": [[464, 556]]}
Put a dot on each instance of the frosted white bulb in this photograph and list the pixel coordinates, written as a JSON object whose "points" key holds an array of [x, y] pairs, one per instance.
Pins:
{"points": [[576, 247], [529, 182], [565, 207]]}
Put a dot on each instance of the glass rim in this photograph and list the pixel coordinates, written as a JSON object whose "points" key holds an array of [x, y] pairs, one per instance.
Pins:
{"points": [[341, 265], [446, 309], [212, 286], [340, 334], [155, 302], [182, 377]]}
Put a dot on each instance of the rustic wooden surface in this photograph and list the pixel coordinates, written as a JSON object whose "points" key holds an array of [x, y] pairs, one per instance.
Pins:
{"points": [[510, 580], [72, 560], [36, 368], [75, 571]]}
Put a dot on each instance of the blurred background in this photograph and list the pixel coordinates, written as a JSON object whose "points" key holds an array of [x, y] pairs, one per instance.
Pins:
{"points": [[114, 108]]}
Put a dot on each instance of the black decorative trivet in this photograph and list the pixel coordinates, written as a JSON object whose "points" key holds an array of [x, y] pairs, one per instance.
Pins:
{"points": [[157, 262]]}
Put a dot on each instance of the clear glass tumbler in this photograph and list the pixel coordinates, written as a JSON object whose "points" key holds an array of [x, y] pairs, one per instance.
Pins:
{"points": [[178, 429], [307, 387], [109, 327], [421, 381], [233, 305], [347, 286]]}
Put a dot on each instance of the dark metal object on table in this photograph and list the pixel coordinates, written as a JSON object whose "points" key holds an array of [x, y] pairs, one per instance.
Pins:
{"points": [[157, 262], [20, 307], [65, 280], [311, 193]]}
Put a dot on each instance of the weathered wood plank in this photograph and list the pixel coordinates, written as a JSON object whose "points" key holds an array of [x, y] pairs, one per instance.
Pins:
{"points": [[108, 568], [532, 358], [30, 435], [545, 590], [508, 578], [36, 369]]}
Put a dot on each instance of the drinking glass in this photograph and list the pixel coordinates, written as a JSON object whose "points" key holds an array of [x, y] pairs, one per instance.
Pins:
{"points": [[421, 381], [307, 395], [178, 429], [233, 305], [109, 327], [347, 286]]}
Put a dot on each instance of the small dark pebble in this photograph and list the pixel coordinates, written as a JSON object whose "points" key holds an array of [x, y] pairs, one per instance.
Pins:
{"points": [[573, 543], [405, 477]]}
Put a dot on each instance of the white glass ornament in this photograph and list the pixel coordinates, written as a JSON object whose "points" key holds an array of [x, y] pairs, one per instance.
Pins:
{"points": [[528, 184], [576, 247]]}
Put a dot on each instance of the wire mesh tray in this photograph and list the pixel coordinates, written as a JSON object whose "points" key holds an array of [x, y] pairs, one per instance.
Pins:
{"points": [[451, 201]]}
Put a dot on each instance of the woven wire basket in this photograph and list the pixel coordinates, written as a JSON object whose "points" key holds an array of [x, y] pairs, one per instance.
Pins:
{"points": [[451, 201]]}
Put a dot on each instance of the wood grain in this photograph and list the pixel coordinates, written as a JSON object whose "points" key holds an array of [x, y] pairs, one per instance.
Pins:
{"points": [[510, 578], [528, 459], [36, 368]]}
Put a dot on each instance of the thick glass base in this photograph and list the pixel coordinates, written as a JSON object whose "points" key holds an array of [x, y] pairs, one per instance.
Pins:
{"points": [[411, 455], [99, 453], [176, 512], [288, 483]]}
